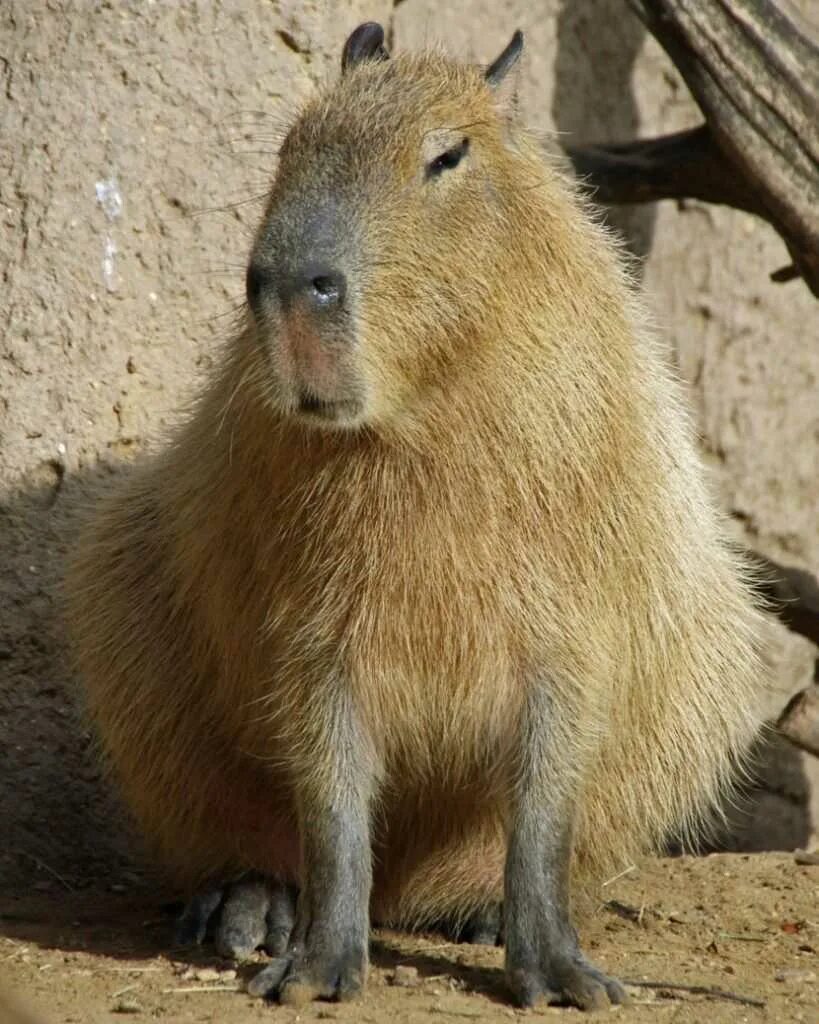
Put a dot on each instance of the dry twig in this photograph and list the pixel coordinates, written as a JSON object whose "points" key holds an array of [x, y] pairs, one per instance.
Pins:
{"points": [[709, 991]]}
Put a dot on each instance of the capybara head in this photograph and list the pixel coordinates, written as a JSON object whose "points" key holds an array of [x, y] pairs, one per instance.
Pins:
{"points": [[381, 252]]}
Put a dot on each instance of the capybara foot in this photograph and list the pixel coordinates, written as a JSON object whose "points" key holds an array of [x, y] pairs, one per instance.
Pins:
{"points": [[242, 916]]}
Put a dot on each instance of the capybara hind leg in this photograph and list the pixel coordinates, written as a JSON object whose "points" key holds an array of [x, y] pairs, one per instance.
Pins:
{"points": [[197, 916], [243, 916], [242, 926], [482, 928], [280, 919]]}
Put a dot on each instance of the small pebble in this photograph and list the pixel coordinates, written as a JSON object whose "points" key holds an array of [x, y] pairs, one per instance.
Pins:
{"points": [[405, 977], [126, 1006], [208, 974], [806, 857], [795, 976]]}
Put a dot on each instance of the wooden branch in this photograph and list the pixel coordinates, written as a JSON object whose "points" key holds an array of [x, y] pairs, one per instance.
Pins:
{"points": [[687, 165], [754, 71]]}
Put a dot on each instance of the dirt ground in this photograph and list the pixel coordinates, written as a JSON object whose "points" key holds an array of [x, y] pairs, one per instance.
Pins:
{"points": [[738, 933]]}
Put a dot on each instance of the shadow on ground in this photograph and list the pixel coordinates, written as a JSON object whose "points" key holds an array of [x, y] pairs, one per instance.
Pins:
{"points": [[140, 926]]}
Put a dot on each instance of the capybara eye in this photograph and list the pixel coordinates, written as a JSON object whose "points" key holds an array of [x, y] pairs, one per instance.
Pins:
{"points": [[447, 160]]}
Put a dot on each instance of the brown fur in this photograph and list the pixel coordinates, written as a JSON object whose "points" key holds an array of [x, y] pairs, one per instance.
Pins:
{"points": [[520, 494]]}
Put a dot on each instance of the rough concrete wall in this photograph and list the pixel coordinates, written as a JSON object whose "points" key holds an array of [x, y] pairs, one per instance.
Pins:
{"points": [[128, 130]]}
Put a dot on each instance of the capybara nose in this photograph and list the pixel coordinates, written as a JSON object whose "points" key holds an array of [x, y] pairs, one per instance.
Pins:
{"points": [[326, 288], [320, 289]]}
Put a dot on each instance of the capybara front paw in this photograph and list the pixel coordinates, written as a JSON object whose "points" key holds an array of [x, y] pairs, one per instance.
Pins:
{"points": [[299, 978], [565, 979]]}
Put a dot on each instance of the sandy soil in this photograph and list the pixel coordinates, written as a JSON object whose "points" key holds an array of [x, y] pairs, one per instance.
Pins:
{"points": [[743, 927]]}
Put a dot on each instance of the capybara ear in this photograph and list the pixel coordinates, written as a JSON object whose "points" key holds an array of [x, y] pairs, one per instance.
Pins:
{"points": [[503, 64], [364, 43]]}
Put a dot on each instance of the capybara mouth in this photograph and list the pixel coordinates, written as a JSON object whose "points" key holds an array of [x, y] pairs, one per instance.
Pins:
{"points": [[339, 411]]}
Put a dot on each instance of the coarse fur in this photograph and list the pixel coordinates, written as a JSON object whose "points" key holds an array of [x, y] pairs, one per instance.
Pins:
{"points": [[517, 492]]}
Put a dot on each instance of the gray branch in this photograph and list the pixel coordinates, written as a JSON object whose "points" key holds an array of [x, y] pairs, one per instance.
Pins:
{"points": [[754, 71]]}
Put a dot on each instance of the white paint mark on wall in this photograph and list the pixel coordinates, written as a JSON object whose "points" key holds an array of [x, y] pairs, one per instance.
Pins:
{"points": [[109, 197], [109, 268]]}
